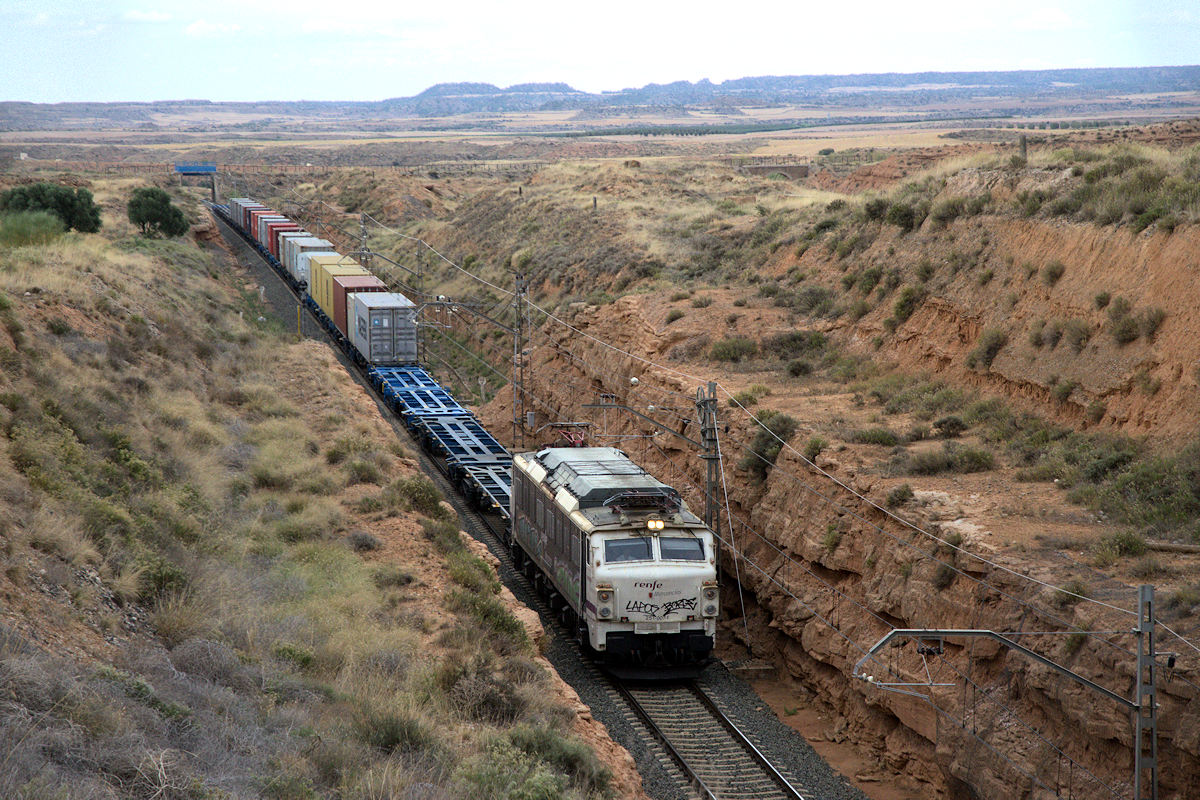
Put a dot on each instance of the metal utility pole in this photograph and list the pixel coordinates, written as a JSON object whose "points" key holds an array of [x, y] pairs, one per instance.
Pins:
{"points": [[364, 249], [1144, 706], [518, 377], [706, 409], [1145, 745]]}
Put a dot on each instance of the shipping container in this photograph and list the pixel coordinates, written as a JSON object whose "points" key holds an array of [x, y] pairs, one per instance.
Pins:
{"points": [[344, 289], [384, 328], [273, 231], [304, 265], [236, 204], [260, 229], [243, 219], [286, 237], [320, 279], [294, 246], [254, 215]]}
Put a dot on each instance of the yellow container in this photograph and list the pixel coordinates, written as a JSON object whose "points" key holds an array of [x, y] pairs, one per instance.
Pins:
{"points": [[322, 270]]}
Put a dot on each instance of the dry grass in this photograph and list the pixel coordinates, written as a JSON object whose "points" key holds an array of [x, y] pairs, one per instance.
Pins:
{"points": [[150, 442]]}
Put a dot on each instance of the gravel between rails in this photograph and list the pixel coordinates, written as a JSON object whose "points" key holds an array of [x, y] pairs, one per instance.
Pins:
{"points": [[661, 780]]}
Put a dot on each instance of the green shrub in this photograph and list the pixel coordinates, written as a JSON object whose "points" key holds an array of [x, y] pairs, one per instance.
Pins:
{"points": [[879, 436], [1150, 320], [869, 278], [393, 731], [813, 447], [1053, 271], [733, 349], [490, 612], [1122, 544], [391, 576], [295, 654], [674, 314], [417, 493], [151, 209], [947, 210], [74, 208], [572, 758], [702, 302], [899, 496], [1119, 308], [832, 538], [944, 576], [745, 399], [1062, 390], [902, 216], [950, 427], [1035, 332], [876, 208], [30, 228], [950, 458], [799, 367], [1102, 300], [1077, 333], [774, 430], [675, 298], [908, 302], [1125, 330], [989, 345], [796, 344], [472, 572]]}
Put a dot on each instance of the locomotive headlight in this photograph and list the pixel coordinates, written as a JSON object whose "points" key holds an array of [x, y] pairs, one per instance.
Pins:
{"points": [[710, 593], [604, 595], [655, 524]]}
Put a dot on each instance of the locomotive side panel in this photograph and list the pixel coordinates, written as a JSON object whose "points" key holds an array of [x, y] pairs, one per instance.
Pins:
{"points": [[548, 537]]}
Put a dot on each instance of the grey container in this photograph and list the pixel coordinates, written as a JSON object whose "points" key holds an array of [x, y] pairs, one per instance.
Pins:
{"points": [[384, 329], [263, 222], [284, 238], [292, 249]]}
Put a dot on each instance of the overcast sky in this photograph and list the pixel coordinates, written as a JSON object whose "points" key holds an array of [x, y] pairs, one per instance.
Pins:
{"points": [[109, 50]]}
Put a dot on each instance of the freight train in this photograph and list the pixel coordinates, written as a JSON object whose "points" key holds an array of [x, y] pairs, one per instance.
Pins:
{"points": [[618, 553]]}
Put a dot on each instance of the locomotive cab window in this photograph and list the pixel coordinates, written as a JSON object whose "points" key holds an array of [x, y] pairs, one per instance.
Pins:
{"points": [[619, 550], [675, 548]]}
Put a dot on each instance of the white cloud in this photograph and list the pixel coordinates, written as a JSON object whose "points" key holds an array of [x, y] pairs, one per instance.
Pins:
{"points": [[201, 28], [136, 15]]}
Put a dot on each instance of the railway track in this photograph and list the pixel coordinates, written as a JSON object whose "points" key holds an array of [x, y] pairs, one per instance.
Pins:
{"points": [[718, 758], [680, 727]]}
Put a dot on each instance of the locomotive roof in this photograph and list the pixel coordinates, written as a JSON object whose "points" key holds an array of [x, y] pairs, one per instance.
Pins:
{"points": [[595, 475]]}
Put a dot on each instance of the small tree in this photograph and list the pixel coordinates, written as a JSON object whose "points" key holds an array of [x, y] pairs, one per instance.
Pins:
{"points": [[151, 210], [75, 208]]}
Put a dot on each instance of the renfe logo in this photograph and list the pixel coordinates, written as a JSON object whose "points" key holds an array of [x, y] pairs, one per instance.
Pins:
{"points": [[651, 585]]}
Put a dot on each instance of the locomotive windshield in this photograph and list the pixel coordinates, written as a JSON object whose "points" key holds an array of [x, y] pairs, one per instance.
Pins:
{"points": [[674, 548], [618, 550]]}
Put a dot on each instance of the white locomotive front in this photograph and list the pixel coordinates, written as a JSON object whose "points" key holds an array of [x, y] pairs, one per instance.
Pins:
{"points": [[620, 552]]}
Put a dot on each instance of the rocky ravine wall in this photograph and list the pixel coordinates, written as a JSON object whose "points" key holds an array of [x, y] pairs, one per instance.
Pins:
{"points": [[900, 585]]}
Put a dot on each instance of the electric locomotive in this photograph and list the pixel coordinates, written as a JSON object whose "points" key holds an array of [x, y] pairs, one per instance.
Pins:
{"points": [[629, 565]]}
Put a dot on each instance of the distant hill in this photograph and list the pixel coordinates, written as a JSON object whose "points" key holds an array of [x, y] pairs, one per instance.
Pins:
{"points": [[861, 91]]}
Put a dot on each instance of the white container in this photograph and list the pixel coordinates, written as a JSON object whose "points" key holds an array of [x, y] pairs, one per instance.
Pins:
{"points": [[304, 266], [294, 246], [286, 237], [384, 328]]}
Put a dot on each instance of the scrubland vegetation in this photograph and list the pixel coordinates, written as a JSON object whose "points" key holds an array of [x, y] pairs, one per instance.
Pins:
{"points": [[191, 607]]}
